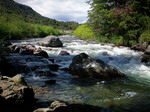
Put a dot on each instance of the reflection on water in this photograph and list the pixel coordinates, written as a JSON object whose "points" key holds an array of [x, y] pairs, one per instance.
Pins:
{"points": [[132, 93]]}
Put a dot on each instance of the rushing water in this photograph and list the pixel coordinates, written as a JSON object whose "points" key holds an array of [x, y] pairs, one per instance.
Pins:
{"points": [[130, 94]]}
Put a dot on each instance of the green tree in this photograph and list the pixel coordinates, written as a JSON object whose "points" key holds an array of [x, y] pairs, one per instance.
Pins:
{"points": [[124, 18]]}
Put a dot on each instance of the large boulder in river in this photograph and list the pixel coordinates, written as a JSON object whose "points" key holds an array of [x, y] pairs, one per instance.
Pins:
{"points": [[51, 41], [16, 95], [84, 66]]}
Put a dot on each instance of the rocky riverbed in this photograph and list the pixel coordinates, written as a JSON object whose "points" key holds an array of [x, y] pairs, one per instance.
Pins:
{"points": [[75, 72]]}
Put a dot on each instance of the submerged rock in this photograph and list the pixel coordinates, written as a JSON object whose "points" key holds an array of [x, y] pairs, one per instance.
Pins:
{"points": [[16, 97], [50, 82], [84, 66], [51, 41], [42, 53], [64, 53], [53, 67], [26, 52]]}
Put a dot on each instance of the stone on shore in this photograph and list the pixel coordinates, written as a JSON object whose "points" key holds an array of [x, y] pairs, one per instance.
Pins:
{"points": [[14, 96], [84, 66]]}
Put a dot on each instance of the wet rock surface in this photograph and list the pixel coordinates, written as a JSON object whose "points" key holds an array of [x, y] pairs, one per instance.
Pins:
{"points": [[84, 66], [60, 106]]}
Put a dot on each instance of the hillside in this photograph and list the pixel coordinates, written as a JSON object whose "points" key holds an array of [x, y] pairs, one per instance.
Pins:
{"points": [[29, 15]]}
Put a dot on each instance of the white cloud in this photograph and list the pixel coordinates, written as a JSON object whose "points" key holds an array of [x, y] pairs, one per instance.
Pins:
{"points": [[63, 10]]}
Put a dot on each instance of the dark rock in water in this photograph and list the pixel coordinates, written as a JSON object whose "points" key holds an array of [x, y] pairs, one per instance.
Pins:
{"points": [[6, 68], [140, 47], [52, 60], [60, 106], [147, 51], [50, 82], [4, 50], [44, 72], [64, 69], [7, 43], [84, 66], [64, 53], [17, 49], [16, 97], [53, 67], [146, 56], [1, 90], [26, 52], [51, 41], [42, 53]]}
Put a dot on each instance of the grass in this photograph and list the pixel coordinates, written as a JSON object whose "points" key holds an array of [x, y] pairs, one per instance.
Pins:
{"points": [[14, 27]]}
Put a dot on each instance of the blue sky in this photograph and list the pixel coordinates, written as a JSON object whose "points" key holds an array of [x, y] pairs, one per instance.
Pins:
{"points": [[63, 10]]}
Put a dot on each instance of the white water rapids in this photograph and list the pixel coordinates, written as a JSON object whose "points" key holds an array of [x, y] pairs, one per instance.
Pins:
{"points": [[99, 92]]}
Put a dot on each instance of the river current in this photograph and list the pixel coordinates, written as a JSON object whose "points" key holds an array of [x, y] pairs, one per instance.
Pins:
{"points": [[130, 94]]}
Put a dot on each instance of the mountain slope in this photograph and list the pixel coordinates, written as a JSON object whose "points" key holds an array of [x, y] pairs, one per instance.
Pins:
{"points": [[29, 15]]}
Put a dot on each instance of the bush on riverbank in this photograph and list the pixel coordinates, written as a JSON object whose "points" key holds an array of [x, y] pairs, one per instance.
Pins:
{"points": [[13, 26], [84, 32]]}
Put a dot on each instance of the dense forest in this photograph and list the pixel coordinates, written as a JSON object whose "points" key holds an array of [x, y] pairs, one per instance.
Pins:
{"points": [[20, 21], [125, 22]]}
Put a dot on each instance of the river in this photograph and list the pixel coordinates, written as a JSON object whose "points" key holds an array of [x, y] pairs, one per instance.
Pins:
{"points": [[130, 94]]}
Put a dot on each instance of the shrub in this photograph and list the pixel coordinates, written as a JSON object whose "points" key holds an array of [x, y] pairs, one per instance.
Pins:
{"points": [[84, 32]]}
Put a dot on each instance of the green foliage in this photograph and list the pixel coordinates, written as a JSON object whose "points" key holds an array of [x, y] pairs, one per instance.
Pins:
{"points": [[84, 32], [115, 18], [12, 26], [145, 36]]}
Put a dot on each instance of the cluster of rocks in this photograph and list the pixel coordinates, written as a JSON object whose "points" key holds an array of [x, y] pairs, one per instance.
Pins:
{"points": [[28, 50]]}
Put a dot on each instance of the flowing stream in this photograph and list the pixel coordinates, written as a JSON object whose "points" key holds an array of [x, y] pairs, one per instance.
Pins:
{"points": [[130, 94]]}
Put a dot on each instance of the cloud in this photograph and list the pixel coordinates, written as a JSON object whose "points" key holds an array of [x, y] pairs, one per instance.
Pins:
{"points": [[63, 10]]}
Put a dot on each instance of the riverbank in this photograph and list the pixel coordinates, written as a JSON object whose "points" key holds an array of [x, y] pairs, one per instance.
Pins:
{"points": [[51, 80]]}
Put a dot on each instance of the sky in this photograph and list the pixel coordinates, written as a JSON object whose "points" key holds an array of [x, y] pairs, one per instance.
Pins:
{"points": [[62, 10]]}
